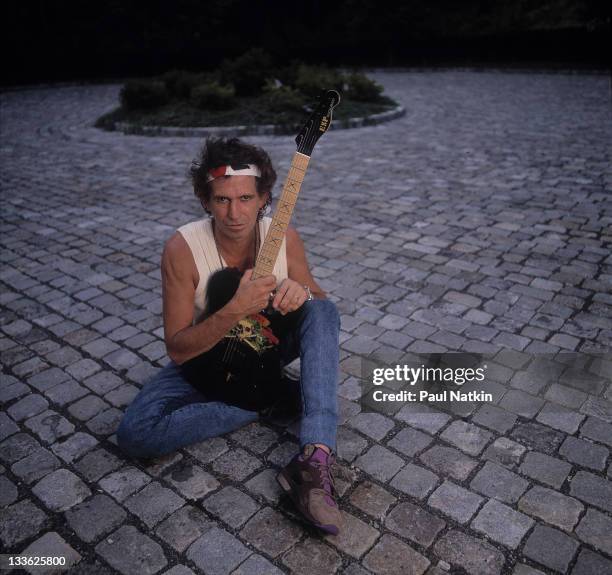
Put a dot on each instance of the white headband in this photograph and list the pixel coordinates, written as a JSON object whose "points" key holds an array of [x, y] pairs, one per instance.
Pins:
{"points": [[235, 170]]}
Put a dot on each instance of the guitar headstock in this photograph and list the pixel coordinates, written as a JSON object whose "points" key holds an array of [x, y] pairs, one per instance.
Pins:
{"points": [[318, 123]]}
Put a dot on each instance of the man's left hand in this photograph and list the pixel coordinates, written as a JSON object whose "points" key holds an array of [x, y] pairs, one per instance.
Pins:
{"points": [[290, 296]]}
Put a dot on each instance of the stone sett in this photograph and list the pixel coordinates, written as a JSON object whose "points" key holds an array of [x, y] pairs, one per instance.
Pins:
{"points": [[51, 545], [349, 444], [123, 483], [190, 480], [264, 484], [545, 468], [95, 517], [559, 417], [589, 563], [74, 447], [455, 501], [129, 551], [584, 453], [595, 528], [467, 437], [36, 465], [414, 523], [312, 557], [154, 503], [380, 463], [217, 552], [231, 505], [550, 547], [505, 452], [97, 463], [271, 532], [496, 481], [102, 382], [373, 425], [355, 538], [106, 422], [372, 499], [27, 407], [592, 489], [494, 418], [390, 556], [539, 437], [255, 437], [17, 447], [449, 461], [415, 481], [236, 464], [87, 407], [49, 426], [502, 524], [183, 527], [61, 490], [469, 553], [21, 521], [410, 441], [8, 491], [423, 417], [597, 430]]}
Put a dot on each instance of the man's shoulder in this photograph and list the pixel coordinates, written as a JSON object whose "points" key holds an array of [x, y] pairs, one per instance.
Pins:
{"points": [[197, 226], [174, 248]]}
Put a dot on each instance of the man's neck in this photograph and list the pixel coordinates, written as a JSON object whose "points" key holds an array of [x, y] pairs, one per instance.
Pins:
{"points": [[237, 252]]}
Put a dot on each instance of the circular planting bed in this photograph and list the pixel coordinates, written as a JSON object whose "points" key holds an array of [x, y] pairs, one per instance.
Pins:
{"points": [[245, 96]]}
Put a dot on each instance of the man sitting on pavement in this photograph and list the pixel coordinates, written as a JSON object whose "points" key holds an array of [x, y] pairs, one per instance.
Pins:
{"points": [[233, 181]]}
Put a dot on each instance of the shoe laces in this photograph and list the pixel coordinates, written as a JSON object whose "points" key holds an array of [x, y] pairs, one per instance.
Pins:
{"points": [[324, 469]]}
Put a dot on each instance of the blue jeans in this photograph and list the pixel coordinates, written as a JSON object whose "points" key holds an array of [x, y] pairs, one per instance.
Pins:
{"points": [[168, 413]]}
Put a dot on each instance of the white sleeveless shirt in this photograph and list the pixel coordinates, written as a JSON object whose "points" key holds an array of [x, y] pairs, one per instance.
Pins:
{"points": [[201, 242]]}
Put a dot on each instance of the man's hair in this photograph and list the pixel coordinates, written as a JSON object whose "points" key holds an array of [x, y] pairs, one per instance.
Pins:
{"points": [[227, 151]]}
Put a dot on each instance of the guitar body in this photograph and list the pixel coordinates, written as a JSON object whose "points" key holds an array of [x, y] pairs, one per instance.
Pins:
{"points": [[234, 371], [244, 367]]}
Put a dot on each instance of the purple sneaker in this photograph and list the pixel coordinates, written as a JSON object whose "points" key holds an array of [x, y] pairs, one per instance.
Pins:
{"points": [[308, 481]]}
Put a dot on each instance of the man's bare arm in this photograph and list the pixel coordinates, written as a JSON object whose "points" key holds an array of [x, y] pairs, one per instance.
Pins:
{"points": [[179, 281]]}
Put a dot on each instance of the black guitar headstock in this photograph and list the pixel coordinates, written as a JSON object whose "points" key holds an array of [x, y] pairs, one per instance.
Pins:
{"points": [[318, 123]]}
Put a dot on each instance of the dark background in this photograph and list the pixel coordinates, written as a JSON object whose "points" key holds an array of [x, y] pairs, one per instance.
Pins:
{"points": [[50, 41]]}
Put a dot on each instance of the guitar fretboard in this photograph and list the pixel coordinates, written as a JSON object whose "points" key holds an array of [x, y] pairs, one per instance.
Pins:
{"points": [[274, 238]]}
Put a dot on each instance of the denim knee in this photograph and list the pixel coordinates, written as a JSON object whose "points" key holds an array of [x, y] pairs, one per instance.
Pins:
{"points": [[323, 310], [131, 441]]}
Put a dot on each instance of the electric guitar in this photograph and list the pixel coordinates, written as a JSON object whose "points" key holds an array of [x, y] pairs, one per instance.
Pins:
{"points": [[244, 368]]}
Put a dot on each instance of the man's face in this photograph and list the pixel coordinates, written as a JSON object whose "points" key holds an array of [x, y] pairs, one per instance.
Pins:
{"points": [[235, 203]]}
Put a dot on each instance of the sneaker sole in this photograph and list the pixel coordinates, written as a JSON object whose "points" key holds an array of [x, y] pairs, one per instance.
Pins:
{"points": [[287, 486]]}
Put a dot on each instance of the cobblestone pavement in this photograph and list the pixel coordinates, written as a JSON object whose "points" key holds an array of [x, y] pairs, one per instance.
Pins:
{"points": [[480, 221]]}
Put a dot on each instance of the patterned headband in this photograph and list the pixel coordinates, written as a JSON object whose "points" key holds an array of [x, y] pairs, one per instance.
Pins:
{"points": [[235, 170]]}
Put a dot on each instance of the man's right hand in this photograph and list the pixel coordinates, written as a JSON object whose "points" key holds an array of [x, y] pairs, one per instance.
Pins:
{"points": [[252, 296]]}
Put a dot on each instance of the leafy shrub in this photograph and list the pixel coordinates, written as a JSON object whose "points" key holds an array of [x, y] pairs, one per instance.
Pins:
{"points": [[288, 74], [213, 96], [249, 72], [361, 88], [283, 98], [312, 80], [179, 83], [143, 94]]}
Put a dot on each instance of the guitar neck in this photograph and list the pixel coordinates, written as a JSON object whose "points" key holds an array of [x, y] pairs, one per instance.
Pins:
{"points": [[280, 221]]}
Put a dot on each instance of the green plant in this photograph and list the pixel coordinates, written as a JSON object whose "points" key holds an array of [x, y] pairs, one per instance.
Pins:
{"points": [[143, 94], [283, 98], [312, 80], [179, 83], [362, 89], [213, 96], [249, 72]]}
